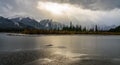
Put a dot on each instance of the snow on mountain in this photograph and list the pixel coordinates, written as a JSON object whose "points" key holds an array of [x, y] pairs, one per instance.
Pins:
{"points": [[30, 23], [105, 27], [6, 23], [43, 24], [49, 24], [27, 21]]}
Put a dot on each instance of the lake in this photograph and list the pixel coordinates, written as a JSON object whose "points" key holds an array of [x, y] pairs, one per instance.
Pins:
{"points": [[18, 49]]}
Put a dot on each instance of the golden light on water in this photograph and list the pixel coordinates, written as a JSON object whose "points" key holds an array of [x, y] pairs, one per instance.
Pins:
{"points": [[53, 8]]}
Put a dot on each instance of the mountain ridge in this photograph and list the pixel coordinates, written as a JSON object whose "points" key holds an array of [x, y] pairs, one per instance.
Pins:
{"points": [[28, 23]]}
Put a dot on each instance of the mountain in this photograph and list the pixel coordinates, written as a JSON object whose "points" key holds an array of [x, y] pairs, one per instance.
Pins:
{"points": [[43, 24], [28, 21], [7, 24], [105, 27], [117, 29], [49, 24], [18, 23]]}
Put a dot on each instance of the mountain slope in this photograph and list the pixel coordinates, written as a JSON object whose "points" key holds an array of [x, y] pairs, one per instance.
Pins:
{"points": [[8, 24], [49, 24], [27, 21], [43, 24], [117, 29]]}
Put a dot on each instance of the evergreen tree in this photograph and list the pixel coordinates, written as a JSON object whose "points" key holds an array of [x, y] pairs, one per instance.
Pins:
{"points": [[96, 28]]}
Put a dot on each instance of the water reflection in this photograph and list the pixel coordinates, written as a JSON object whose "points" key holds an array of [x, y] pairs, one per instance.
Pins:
{"points": [[59, 50]]}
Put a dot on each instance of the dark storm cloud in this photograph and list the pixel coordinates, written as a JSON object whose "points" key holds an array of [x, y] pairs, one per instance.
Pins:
{"points": [[85, 11], [22, 5], [93, 4], [98, 4], [10, 8]]}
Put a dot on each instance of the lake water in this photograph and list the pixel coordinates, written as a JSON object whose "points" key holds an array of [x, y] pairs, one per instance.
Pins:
{"points": [[19, 49]]}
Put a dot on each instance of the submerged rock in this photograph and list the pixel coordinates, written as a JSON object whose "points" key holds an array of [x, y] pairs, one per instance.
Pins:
{"points": [[48, 45]]}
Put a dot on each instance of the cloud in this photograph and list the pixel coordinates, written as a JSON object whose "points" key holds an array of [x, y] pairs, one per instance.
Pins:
{"points": [[86, 16], [85, 12], [92, 4], [98, 4]]}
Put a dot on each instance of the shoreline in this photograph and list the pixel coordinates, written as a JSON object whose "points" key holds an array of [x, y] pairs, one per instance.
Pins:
{"points": [[83, 33], [64, 32]]}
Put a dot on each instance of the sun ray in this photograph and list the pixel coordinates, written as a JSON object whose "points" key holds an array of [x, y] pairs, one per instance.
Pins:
{"points": [[54, 8]]}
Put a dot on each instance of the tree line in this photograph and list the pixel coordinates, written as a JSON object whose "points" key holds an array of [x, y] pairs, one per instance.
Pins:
{"points": [[71, 29], [79, 28]]}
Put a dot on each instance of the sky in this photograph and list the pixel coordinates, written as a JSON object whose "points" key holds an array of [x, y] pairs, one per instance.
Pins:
{"points": [[84, 12]]}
